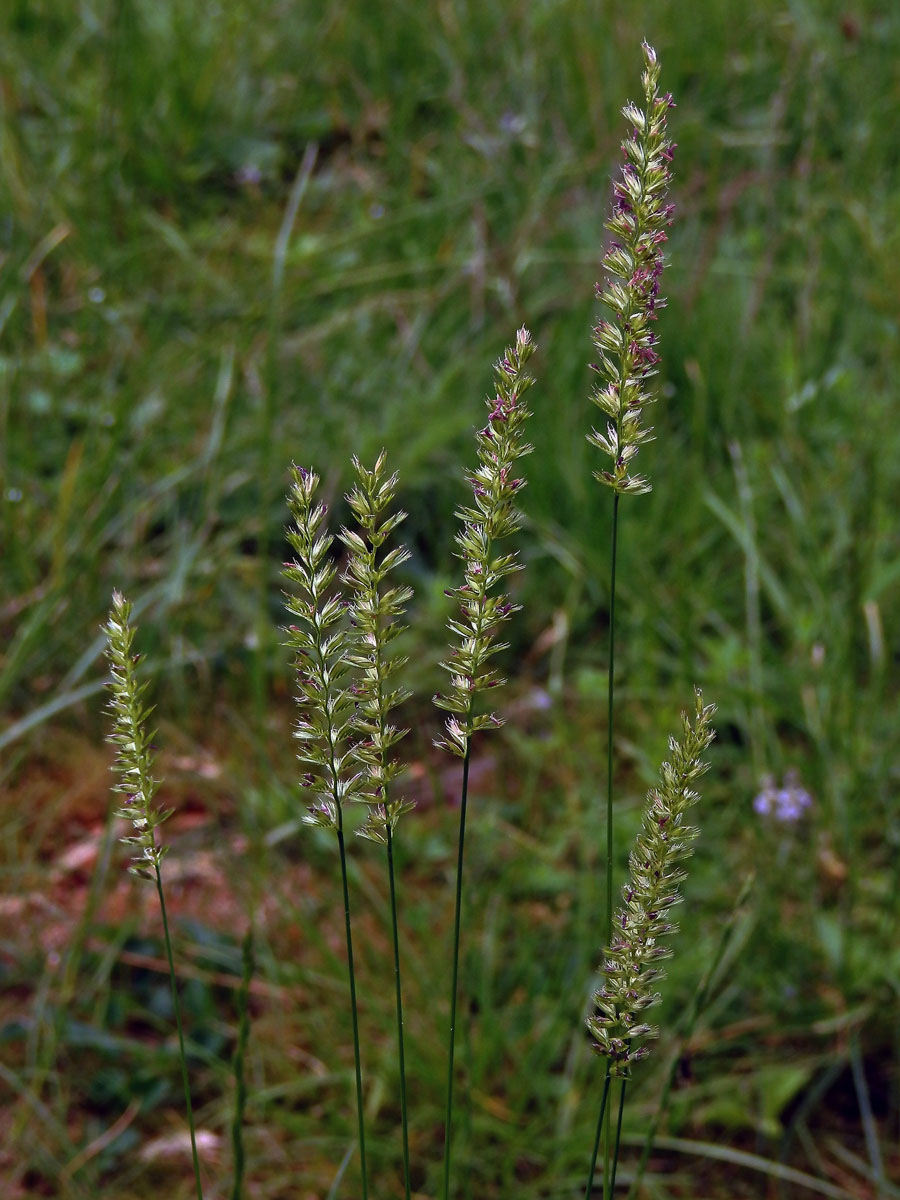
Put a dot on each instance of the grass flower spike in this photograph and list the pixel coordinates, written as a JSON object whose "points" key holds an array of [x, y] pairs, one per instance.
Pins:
{"points": [[492, 516], [374, 612], [134, 765], [134, 756], [633, 265], [632, 959], [322, 643]]}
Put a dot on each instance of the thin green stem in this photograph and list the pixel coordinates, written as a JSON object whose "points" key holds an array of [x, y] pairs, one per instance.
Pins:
{"points": [[448, 1116], [404, 1122], [176, 1005], [609, 720], [240, 1055], [590, 1180], [615, 1162], [610, 709], [353, 1013]]}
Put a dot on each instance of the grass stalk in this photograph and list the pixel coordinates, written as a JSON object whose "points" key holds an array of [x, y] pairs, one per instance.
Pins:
{"points": [[615, 1161], [240, 1056], [610, 711], [599, 1134], [354, 1015], [178, 1024], [401, 1055], [454, 986]]}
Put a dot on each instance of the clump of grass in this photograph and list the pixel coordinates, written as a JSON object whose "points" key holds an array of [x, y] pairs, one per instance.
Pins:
{"points": [[134, 765]]}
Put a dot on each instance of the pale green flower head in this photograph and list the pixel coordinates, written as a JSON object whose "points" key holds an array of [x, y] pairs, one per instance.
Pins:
{"points": [[626, 342], [321, 642], [632, 966], [132, 739], [493, 514], [375, 612]]}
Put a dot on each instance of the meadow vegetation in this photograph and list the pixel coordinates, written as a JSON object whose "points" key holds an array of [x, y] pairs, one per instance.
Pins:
{"points": [[237, 235]]}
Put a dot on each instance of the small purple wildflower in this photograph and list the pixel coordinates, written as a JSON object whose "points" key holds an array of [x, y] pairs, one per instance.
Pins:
{"points": [[786, 804]]}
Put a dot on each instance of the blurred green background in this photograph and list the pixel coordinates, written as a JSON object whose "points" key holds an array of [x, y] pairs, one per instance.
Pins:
{"points": [[235, 234]]}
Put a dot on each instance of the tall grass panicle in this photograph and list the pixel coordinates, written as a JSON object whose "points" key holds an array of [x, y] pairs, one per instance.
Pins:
{"points": [[375, 610], [134, 766], [633, 265], [492, 516], [482, 611], [132, 739], [374, 613], [633, 956], [322, 644]]}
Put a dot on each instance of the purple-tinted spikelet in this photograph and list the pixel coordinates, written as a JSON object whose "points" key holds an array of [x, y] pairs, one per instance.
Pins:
{"points": [[320, 641], [493, 515], [627, 343], [632, 961]]}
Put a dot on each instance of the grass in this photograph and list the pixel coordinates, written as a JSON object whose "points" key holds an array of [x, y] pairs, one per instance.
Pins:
{"points": [[149, 337]]}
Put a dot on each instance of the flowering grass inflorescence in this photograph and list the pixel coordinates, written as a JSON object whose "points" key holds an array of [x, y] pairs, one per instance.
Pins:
{"points": [[633, 265], [134, 755], [374, 610], [632, 959], [321, 644], [492, 516]]}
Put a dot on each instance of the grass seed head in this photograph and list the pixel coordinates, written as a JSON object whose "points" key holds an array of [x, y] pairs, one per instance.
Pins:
{"points": [[626, 342], [321, 644], [632, 961], [492, 515], [375, 609], [132, 739]]}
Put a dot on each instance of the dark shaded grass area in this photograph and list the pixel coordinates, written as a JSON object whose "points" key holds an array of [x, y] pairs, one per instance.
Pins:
{"points": [[236, 236]]}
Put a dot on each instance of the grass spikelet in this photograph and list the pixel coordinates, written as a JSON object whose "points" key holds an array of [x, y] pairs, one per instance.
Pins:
{"points": [[491, 516], [134, 756], [374, 612], [633, 265], [632, 960], [321, 643]]}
